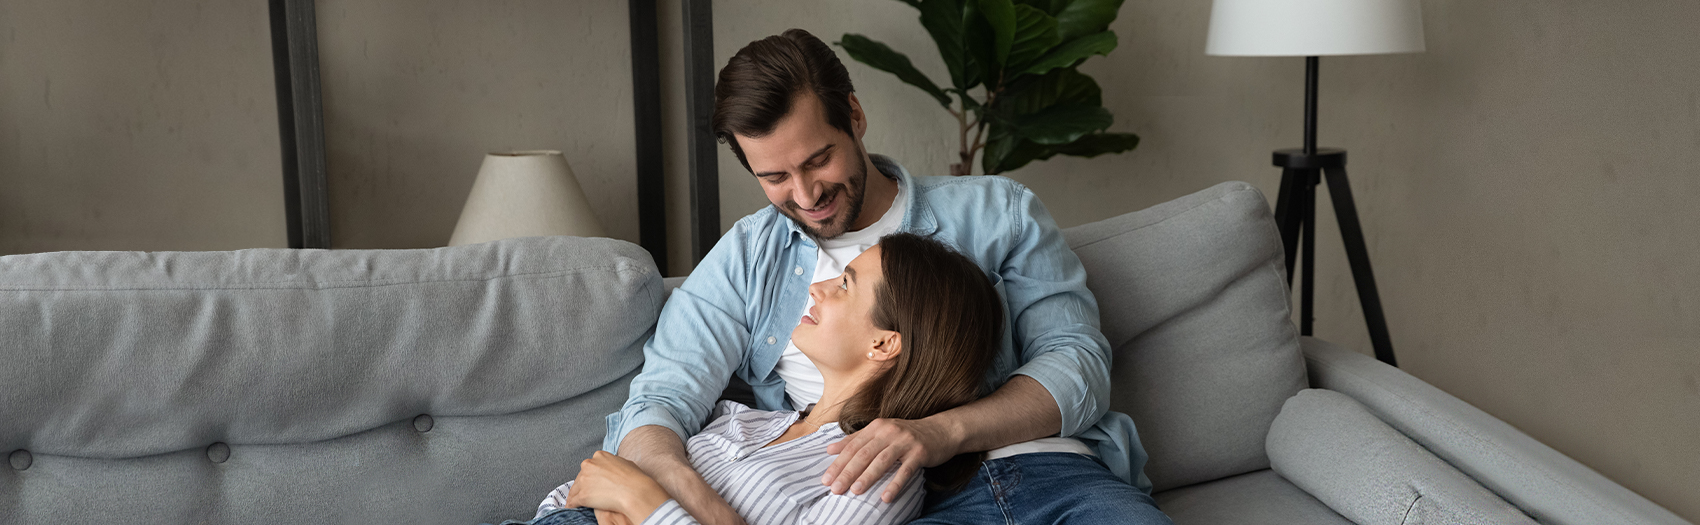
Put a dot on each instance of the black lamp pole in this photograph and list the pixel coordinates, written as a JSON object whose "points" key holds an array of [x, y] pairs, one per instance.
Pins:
{"points": [[1295, 209]]}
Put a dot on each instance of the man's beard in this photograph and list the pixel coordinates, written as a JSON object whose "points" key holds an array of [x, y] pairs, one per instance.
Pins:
{"points": [[853, 193]]}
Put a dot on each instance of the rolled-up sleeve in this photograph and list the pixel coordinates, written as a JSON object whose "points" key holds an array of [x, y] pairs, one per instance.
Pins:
{"points": [[697, 344], [1054, 318]]}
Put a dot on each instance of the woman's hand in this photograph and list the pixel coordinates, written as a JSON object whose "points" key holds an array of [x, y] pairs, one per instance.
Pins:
{"points": [[612, 483]]}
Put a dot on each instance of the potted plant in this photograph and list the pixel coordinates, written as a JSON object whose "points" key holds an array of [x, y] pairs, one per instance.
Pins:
{"points": [[1022, 59]]}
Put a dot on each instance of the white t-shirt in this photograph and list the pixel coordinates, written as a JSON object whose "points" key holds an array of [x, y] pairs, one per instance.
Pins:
{"points": [[803, 383]]}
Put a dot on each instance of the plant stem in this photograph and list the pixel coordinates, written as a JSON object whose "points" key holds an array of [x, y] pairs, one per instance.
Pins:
{"points": [[967, 164], [979, 131]]}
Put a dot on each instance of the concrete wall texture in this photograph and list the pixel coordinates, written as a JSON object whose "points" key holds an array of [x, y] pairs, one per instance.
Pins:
{"points": [[1525, 185]]}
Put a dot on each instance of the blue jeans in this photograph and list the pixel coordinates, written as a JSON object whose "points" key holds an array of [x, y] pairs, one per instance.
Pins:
{"points": [[1044, 487], [573, 516]]}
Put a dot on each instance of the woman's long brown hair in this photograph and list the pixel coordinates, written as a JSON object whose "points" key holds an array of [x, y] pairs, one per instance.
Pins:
{"points": [[949, 318]]}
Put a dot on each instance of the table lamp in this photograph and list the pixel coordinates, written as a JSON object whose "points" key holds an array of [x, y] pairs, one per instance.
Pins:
{"points": [[1314, 28], [524, 194]]}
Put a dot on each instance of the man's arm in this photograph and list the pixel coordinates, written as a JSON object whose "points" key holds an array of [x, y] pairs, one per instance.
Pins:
{"points": [[660, 453], [699, 341], [1020, 410]]}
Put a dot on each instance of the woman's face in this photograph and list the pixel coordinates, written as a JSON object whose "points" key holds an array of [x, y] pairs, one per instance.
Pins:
{"points": [[838, 331]]}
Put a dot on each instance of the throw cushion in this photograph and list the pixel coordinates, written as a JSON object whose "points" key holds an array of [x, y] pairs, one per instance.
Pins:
{"points": [[1193, 299]]}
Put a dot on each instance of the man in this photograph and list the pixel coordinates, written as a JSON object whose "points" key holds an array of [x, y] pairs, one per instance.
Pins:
{"points": [[785, 106]]}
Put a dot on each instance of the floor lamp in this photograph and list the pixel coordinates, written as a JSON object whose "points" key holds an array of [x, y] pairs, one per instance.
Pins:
{"points": [[1314, 28]]}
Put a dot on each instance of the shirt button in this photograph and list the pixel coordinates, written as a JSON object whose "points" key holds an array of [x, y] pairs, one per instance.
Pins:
{"points": [[798, 271], [771, 340]]}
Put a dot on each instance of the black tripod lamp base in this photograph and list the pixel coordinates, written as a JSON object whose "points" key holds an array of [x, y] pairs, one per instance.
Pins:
{"points": [[1295, 212]]}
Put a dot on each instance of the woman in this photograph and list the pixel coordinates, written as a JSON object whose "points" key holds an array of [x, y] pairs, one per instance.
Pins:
{"points": [[907, 331]]}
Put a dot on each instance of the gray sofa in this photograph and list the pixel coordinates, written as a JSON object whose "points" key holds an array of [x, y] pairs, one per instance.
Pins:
{"points": [[458, 385]]}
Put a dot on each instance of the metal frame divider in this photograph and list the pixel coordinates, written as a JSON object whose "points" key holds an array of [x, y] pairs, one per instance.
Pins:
{"points": [[300, 122], [699, 109], [301, 128]]}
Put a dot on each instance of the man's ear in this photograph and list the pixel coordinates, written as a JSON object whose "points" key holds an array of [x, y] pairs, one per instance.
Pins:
{"points": [[858, 120], [887, 345]]}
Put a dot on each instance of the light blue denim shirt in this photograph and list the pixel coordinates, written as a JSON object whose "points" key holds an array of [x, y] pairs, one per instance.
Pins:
{"points": [[735, 313]]}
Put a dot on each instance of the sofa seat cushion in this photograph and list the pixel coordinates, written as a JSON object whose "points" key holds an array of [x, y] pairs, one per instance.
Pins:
{"points": [[1333, 448], [1193, 300], [1258, 498]]}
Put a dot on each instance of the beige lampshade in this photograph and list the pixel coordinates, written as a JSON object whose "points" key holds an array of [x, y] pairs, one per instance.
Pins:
{"points": [[1314, 27], [524, 194]]}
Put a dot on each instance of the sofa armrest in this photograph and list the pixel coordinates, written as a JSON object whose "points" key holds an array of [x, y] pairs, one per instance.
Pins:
{"points": [[1549, 486], [1332, 447]]}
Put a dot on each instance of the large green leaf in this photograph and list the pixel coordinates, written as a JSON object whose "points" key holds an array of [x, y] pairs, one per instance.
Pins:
{"points": [[1015, 152], [943, 20], [1100, 43], [1050, 7], [1062, 124], [1084, 17], [980, 46], [881, 57], [1024, 153], [1000, 17], [1059, 86], [1011, 153], [1035, 33], [1097, 144]]}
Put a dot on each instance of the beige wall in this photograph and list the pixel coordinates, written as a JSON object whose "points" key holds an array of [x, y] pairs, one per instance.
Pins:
{"points": [[416, 92], [1527, 188], [137, 126], [1525, 185]]}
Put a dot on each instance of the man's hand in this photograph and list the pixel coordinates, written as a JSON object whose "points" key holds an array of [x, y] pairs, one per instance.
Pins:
{"points": [[865, 457], [607, 481], [1020, 410]]}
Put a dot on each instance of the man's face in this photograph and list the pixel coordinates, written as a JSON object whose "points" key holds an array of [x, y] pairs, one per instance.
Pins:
{"points": [[814, 173]]}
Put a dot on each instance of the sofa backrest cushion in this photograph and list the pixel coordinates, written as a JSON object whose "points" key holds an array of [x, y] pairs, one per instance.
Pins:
{"points": [[1193, 299], [445, 385]]}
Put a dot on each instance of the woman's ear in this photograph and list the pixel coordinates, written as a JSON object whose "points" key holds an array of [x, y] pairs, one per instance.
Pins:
{"points": [[887, 345]]}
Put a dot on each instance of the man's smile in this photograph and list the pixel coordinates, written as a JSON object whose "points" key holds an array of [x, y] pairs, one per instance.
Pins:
{"points": [[824, 210]]}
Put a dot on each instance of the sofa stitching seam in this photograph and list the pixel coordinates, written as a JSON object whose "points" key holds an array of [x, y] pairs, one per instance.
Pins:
{"points": [[1407, 517]]}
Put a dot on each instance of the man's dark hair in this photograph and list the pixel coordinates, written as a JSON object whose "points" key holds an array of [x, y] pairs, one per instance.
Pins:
{"points": [[759, 83]]}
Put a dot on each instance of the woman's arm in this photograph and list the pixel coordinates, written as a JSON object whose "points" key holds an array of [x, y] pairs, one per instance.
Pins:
{"points": [[660, 453], [610, 482]]}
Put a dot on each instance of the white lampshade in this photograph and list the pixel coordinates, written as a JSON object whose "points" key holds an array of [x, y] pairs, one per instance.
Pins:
{"points": [[1314, 27], [524, 194]]}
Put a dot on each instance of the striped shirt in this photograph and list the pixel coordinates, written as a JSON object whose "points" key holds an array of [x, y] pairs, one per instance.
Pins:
{"points": [[777, 484]]}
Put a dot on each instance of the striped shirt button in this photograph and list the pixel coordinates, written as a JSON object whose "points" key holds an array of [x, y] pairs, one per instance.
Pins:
{"points": [[771, 340], [798, 271]]}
